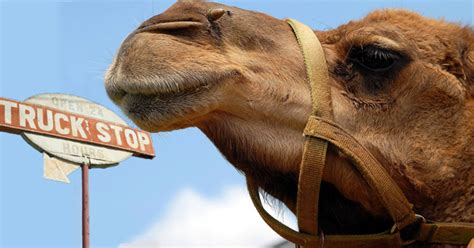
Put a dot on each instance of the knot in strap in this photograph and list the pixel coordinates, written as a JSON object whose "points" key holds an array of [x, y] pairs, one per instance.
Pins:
{"points": [[387, 191]]}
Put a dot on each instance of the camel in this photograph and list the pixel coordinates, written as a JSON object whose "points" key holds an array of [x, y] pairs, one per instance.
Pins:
{"points": [[401, 83]]}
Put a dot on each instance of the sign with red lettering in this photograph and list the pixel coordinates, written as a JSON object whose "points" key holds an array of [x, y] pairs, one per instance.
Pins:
{"points": [[72, 128]]}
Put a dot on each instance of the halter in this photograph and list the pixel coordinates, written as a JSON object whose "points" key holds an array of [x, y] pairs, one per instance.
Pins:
{"points": [[319, 132]]}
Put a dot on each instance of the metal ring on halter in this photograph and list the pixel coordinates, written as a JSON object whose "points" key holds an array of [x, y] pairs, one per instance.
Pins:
{"points": [[321, 235], [411, 231]]}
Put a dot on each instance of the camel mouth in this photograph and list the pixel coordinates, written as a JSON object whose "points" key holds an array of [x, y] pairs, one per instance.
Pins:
{"points": [[164, 85], [164, 89], [161, 103]]}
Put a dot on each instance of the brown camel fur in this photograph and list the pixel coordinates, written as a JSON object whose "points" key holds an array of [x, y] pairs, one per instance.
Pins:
{"points": [[402, 84]]}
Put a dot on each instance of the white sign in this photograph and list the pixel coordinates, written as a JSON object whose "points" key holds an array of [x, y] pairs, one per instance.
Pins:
{"points": [[75, 151]]}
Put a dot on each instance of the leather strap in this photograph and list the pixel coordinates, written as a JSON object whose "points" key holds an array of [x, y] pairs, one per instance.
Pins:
{"points": [[435, 232], [311, 173], [316, 68], [314, 150], [334, 241], [455, 233]]}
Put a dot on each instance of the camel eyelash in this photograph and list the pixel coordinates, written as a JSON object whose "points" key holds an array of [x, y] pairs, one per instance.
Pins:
{"points": [[373, 58]]}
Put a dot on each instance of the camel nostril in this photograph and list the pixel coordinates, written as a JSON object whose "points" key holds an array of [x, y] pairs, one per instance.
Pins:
{"points": [[215, 14], [172, 25]]}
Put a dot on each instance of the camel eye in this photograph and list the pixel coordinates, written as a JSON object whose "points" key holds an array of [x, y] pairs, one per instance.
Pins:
{"points": [[373, 58]]}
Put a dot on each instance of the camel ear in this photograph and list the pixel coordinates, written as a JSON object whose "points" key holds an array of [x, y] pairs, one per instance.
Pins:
{"points": [[469, 70]]}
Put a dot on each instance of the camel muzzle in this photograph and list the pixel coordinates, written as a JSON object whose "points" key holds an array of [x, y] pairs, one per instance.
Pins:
{"points": [[320, 130]]}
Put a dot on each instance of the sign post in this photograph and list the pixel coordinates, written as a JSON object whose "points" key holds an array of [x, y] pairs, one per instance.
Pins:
{"points": [[85, 205], [72, 131]]}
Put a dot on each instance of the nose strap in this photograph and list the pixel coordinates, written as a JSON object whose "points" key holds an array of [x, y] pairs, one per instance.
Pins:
{"points": [[316, 69]]}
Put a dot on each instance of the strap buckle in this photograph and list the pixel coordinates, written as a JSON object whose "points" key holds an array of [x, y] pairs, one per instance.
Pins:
{"points": [[410, 233], [321, 240]]}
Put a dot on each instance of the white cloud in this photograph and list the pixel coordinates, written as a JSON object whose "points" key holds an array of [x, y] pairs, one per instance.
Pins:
{"points": [[191, 219]]}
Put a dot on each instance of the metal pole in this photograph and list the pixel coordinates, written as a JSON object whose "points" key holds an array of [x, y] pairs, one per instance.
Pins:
{"points": [[85, 205]]}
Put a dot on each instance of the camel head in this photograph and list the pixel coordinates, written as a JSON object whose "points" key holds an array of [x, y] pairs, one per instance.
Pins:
{"points": [[402, 84]]}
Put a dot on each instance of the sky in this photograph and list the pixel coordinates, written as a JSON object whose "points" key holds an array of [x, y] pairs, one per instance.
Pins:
{"points": [[188, 195]]}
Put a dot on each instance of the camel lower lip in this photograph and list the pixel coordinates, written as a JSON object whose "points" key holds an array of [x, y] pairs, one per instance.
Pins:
{"points": [[162, 91], [169, 93], [130, 99], [155, 113], [139, 106]]}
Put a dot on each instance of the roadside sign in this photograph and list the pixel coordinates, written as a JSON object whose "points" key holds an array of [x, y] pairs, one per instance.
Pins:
{"points": [[71, 127]]}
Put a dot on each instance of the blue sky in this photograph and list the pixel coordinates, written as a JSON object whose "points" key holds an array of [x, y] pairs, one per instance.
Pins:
{"points": [[65, 47]]}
